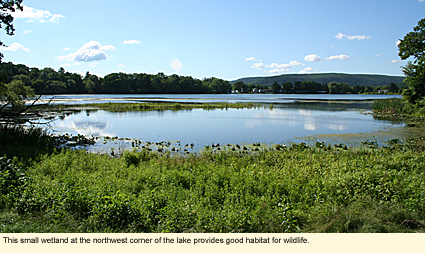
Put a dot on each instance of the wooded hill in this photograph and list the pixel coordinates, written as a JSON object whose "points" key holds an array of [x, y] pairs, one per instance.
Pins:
{"points": [[325, 78]]}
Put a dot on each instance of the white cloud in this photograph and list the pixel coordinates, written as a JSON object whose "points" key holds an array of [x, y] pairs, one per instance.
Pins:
{"points": [[27, 32], [66, 49], [394, 61], [284, 66], [420, 1], [121, 66], [273, 65], [41, 16], [306, 70], [176, 64], [91, 51], [258, 65], [339, 57], [131, 42], [295, 63], [276, 68], [15, 47], [275, 71], [340, 36], [252, 59], [65, 65], [312, 58], [399, 41]]}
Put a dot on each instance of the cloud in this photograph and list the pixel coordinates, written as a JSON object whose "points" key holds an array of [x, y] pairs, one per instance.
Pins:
{"points": [[399, 41], [258, 65], [252, 59], [27, 32], [91, 51], [131, 42], [121, 66], [339, 57], [273, 65], [15, 47], [295, 63], [312, 58], [340, 36], [276, 68], [176, 64], [65, 65], [395, 61], [275, 71], [306, 70], [41, 16], [420, 1]]}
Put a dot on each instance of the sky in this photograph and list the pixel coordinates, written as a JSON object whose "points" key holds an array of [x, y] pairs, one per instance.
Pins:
{"points": [[227, 39]]}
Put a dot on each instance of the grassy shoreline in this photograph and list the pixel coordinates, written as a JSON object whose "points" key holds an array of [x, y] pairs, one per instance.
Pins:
{"points": [[110, 106]]}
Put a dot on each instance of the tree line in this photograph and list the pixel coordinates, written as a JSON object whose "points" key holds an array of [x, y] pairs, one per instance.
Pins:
{"points": [[49, 81], [311, 87]]}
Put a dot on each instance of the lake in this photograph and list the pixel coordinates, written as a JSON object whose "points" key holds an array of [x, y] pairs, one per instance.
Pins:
{"points": [[284, 119]]}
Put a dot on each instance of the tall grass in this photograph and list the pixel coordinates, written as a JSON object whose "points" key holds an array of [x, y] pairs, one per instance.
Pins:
{"points": [[25, 142], [290, 190]]}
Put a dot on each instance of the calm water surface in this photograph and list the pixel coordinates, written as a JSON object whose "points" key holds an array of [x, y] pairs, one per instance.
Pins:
{"points": [[292, 116], [207, 98]]}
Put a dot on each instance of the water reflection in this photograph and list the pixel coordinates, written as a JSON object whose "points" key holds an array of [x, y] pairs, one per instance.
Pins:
{"points": [[83, 124], [280, 124]]}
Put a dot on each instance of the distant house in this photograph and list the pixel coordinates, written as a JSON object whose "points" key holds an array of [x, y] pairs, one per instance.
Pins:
{"points": [[383, 91], [255, 90]]}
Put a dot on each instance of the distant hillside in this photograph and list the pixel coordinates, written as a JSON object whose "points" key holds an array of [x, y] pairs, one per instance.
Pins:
{"points": [[351, 79]]}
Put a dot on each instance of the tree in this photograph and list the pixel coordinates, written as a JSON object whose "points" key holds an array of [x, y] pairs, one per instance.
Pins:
{"points": [[238, 86], [287, 87], [276, 87], [14, 93], [6, 18], [413, 45], [12, 98]]}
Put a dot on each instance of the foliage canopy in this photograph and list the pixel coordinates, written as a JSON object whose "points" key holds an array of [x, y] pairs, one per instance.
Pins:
{"points": [[6, 18], [413, 45]]}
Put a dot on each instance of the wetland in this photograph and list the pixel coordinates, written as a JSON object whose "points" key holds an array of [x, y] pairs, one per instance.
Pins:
{"points": [[129, 121], [266, 165]]}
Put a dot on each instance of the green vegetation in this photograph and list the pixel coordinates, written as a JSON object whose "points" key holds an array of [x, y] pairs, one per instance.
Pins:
{"points": [[312, 87], [326, 78], [413, 102], [413, 45], [6, 18], [49, 81], [120, 107], [292, 189], [46, 186]]}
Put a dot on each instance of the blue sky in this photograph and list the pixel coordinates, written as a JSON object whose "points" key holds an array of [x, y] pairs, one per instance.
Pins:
{"points": [[227, 39]]}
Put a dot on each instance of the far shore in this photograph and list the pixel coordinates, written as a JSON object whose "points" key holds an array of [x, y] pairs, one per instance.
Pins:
{"points": [[180, 100]]}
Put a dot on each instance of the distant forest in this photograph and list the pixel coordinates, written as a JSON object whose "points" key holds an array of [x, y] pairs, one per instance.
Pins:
{"points": [[50, 81], [326, 78]]}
